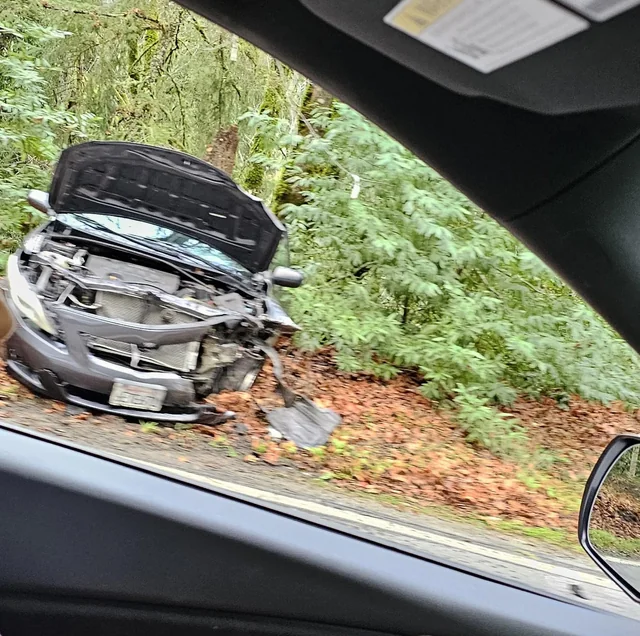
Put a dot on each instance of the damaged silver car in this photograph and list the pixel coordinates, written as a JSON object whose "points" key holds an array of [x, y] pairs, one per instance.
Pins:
{"points": [[149, 286]]}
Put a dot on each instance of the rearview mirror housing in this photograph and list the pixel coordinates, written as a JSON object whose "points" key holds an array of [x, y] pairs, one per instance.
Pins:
{"points": [[609, 521], [286, 277], [40, 201]]}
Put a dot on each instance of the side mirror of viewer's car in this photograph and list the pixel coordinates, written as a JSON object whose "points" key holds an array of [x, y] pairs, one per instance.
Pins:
{"points": [[609, 523], [40, 201], [286, 277]]}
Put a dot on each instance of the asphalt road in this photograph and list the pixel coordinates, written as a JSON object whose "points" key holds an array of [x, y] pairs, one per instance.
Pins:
{"points": [[627, 568], [528, 563], [568, 575]]}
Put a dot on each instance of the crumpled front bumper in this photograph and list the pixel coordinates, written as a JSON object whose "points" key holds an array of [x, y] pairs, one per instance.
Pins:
{"points": [[69, 372]]}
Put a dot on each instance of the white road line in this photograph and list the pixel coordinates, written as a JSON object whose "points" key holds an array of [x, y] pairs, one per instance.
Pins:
{"points": [[391, 527]]}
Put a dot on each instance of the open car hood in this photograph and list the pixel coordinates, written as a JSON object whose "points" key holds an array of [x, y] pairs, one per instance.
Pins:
{"points": [[167, 187]]}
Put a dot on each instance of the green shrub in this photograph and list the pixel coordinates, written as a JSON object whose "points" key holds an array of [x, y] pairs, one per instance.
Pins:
{"points": [[32, 132]]}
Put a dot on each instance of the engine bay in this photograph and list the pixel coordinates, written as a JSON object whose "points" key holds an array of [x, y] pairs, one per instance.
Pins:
{"points": [[114, 284]]}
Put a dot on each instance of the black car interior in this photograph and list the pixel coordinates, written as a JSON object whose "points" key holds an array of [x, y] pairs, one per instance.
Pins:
{"points": [[549, 146]]}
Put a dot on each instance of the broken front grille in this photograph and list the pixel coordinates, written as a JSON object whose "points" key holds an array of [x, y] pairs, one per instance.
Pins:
{"points": [[177, 357]]}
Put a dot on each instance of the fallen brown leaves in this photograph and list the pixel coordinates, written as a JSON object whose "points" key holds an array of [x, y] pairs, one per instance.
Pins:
{"points": [[577, 435], [617, 512], [393, 441]]}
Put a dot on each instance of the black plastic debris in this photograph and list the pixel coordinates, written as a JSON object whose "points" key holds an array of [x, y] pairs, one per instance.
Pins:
{"points": [[299, 420], [578, 591], [304, 423]]}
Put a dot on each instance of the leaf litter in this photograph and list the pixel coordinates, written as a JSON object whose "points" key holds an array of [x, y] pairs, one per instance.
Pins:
{"points": [[394, 442]]}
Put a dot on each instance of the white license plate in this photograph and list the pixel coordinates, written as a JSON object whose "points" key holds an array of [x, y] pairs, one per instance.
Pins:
{"points": [[137, 395]]}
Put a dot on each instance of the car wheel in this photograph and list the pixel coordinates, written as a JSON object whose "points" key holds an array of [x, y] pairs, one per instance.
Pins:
{"points": [[242, 374]]}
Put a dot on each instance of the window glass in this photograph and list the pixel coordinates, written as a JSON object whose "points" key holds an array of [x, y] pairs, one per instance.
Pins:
{"points": [[467, 389], [159, 237]]}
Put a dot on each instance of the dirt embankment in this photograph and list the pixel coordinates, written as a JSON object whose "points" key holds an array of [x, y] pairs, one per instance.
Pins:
{"points": [[392, 442]]}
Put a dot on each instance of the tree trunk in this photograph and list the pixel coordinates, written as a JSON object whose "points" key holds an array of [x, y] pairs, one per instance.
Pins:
{"points": [[254, 177], [314, 96], [222, 151], [405, 309]]}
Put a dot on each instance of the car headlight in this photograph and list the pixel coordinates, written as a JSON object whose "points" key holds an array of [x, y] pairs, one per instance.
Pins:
{"points": [[25, 298]]}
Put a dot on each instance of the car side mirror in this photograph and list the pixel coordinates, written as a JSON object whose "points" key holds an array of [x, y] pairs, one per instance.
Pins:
{"points": [[286, 277], [40, 201], [609, 522]]}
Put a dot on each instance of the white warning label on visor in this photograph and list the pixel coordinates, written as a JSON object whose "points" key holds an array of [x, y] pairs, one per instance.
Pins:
{"points": [[601, 10], [486, 34]]}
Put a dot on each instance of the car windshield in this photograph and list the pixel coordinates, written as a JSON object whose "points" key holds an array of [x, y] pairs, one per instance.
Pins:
{"points": [[159, 237], [432, 383]]}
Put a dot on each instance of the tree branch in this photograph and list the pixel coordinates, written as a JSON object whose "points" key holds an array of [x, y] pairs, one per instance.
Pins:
{"points": [[136, 13], [144, 52], [182, 117], [176, 41], [200, 29]]}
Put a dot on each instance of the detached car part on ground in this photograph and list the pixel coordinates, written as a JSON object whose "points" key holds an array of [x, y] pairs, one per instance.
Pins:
{"points": [[149, 289]]}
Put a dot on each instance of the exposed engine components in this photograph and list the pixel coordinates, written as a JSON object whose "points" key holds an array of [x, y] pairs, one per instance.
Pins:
{"points": [[111, 287]]}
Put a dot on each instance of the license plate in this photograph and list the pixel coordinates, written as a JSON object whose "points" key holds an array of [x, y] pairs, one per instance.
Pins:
{"points": [[137, 395]]}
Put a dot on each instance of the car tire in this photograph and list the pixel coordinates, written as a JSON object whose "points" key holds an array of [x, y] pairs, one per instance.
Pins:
{"points": [[242, 374]]}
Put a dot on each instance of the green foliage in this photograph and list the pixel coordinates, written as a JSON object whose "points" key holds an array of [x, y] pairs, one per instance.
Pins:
{"points": [[152, 71], [484, 425], [260, 448], [149, 427], [410, 274], [32, 131], [270, 132], [318, 452], [609, 543], [138, 67], [622, 474]]}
